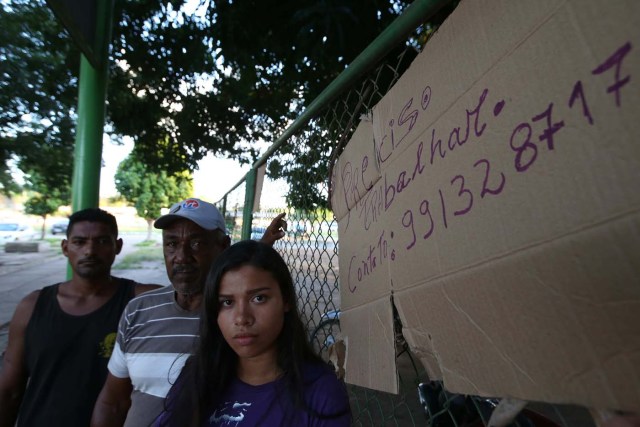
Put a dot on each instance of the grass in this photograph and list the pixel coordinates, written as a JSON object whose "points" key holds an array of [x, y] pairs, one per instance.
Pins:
{"points": [[54, 244], [147, 253], [147, 243]]}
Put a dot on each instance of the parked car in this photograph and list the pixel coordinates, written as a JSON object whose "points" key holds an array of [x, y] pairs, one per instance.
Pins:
{"points": [[14, 231], [59, 227], [257, 233]]}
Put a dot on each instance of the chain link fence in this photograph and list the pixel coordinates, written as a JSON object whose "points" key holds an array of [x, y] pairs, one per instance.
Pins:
{"points": [[311, 246]]}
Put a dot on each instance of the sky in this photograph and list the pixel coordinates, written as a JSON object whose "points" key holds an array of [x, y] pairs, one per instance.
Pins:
{"points": [[212, 180]]}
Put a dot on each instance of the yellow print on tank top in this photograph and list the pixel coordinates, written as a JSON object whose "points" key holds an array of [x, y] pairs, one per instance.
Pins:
{"points": [[107, 344]]}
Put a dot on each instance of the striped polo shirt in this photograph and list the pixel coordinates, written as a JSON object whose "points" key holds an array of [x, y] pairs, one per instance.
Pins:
{"points": [[155, 337]]}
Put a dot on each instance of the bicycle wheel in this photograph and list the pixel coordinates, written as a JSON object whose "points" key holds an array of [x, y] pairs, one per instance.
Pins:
{"points": [[324, 335]]}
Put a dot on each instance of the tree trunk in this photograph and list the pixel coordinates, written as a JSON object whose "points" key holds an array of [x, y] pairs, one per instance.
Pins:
{"points": [[43, 229], [149, 228]]}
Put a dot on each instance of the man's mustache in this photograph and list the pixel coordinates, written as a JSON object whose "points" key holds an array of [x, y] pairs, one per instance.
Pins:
{"points": [[184, 269]]}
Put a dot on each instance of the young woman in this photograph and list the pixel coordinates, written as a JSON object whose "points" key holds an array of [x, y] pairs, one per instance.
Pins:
{"points": [[253, 365]]}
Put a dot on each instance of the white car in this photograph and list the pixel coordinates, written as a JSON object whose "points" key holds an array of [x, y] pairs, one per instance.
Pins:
{"points": [[14, 231], [257, 233]]}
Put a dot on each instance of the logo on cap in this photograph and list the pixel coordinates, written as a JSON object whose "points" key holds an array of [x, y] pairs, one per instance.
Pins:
{"points": [[191, 204]]}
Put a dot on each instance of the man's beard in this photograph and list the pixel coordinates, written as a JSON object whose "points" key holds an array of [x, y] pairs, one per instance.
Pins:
{"points": [[92, 271], [188, 289]]}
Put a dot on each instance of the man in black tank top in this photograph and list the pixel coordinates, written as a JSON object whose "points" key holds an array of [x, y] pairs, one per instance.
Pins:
{"points": [[61, 337]]}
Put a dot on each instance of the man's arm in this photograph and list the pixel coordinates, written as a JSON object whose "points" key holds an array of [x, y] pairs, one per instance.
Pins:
{"points": [[275, 231], [13, 378], [113, 403]]}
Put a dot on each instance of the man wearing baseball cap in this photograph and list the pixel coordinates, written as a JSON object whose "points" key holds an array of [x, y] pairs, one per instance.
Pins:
{"points": [[159, 328]]}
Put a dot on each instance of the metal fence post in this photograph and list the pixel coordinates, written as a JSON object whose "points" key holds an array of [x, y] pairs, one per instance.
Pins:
{"points": [[250, 194]]}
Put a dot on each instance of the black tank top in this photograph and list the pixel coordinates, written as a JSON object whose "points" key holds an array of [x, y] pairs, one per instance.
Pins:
{"points": [[66, 358]]}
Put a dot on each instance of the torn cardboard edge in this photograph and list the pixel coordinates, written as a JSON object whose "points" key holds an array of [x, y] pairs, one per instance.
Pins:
{"points": [[500, 247]]}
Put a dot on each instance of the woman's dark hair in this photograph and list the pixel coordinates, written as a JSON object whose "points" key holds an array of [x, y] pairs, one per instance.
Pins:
{"points": [[209, 371]]}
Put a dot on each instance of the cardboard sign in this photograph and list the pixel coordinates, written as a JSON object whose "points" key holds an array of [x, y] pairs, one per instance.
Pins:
{"points": [[495, 200]]}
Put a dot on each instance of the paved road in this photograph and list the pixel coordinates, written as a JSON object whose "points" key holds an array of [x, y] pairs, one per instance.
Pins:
{"points": [[23, 273]]}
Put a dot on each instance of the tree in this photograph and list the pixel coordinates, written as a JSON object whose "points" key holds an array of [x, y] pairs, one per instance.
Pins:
{"points": [[42, 206], [251, 89], [207, 77], [38, 93], [150, 191], [46, 195]]}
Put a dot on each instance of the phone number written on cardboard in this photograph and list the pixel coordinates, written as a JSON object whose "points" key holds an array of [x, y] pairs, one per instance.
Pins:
{"points": [[530, 140]]}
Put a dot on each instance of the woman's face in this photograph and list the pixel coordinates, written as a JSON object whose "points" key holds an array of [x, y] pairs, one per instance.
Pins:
{"points": [[251, 313]]}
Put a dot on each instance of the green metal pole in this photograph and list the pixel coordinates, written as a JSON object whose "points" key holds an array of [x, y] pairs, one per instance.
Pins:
{"points": [[224, 214], [224, 206], [250, 194], [92, 94], [88, 149]]}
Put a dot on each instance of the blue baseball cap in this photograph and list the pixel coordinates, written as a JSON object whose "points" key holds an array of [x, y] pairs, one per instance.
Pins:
{"points": [[200, 212]]}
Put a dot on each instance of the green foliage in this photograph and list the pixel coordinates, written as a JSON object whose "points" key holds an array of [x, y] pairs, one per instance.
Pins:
{"points": [[146, 243], [149, 191], [49, 190], [46, 196], [41, 206], [38, 94], [182, 85]]}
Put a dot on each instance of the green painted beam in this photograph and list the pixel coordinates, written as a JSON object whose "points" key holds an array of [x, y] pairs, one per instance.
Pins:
{"points": [[250, 195], [92, 93]]}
